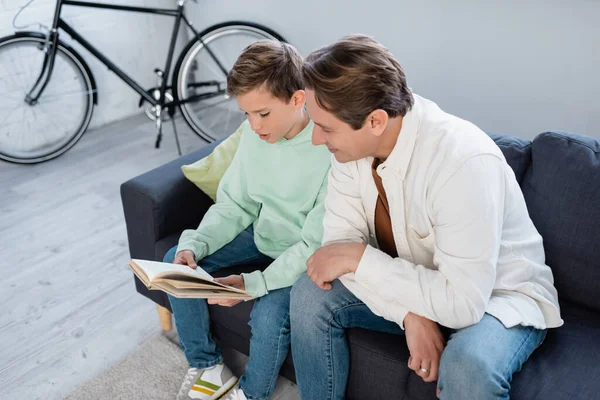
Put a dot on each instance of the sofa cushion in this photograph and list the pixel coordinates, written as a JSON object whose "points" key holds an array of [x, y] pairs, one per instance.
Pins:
{"points": [[379, 368], [206, 173], [517, 152], [562, 191], [566, 365]]}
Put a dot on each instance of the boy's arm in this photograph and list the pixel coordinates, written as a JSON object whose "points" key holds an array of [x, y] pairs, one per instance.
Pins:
{"points": [[233, 212], [288, 267]]}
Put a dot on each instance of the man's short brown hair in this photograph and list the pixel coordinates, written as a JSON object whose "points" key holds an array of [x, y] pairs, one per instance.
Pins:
{"points": [[355, 76], [275, 65]]}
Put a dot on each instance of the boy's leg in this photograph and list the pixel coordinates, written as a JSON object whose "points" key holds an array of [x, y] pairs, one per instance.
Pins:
{"points": [[319, 345], [269, 345], [191, 315], [479, 361]]}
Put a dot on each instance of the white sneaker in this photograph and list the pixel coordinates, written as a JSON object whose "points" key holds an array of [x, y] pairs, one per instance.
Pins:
{"points": [[207, 384], [235, 394]]}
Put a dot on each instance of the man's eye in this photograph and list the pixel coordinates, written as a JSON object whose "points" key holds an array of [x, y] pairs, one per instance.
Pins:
{"points": [[264, 114]]}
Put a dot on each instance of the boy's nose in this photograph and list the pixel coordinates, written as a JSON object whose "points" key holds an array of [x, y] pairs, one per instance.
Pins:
{"points": [[254, 124]]}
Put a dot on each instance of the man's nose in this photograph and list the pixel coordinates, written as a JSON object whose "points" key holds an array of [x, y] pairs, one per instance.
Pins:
{"points": [[318, 138]]}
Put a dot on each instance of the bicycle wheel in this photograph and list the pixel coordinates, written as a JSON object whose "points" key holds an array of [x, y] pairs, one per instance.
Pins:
{"points": [[201, 80], [42, 131]]}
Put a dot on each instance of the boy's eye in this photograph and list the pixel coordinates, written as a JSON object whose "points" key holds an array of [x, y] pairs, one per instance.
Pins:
{"points": [[264, 114]]}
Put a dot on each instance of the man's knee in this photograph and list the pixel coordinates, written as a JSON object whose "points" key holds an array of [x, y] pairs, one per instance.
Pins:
{"points": [[308, 303], [466, 370]]}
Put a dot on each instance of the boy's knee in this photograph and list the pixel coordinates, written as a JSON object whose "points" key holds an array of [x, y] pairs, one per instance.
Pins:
{"points": [[170, 256]]}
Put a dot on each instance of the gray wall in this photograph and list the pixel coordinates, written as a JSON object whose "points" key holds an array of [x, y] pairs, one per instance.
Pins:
{"points": [[517, 67]]}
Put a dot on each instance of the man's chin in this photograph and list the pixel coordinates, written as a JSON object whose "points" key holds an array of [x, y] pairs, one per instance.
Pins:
{"points": [[342, 157]]}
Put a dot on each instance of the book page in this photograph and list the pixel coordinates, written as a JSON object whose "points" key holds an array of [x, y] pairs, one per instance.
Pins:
{"points": [[152, 269], [214, 293]]}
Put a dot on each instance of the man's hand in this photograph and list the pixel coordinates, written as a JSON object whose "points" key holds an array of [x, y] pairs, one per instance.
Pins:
{"points": [[332, 261], [425, 344], [186, 257], [236, 281]]}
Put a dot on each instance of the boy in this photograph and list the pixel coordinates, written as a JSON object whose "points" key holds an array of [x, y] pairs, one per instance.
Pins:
{"points": [[269, 206]]}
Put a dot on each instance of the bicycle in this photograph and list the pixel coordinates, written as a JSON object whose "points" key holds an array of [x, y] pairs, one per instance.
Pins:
{"points": [[29, 132]]}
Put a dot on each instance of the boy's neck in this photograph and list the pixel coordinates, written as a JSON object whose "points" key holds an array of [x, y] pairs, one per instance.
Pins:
{"points": [[298, 125]]}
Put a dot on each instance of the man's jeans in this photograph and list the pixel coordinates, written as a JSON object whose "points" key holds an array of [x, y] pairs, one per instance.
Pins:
{"points": [[269, 320], [477, 363]]}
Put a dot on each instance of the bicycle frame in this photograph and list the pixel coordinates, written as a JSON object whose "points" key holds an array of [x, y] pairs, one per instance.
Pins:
{"points": [[59, 23]]}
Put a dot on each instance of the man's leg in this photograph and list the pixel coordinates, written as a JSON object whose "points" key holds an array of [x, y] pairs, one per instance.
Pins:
{"points": [[479, 361], [269, 345], [319, 345], [191, 315]]}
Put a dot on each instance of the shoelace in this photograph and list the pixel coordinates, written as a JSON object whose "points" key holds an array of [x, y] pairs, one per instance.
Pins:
{"points": [[187, 380]]}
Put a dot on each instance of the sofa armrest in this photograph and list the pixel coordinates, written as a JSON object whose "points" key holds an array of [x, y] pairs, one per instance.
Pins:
{"points": [[162, 202]]}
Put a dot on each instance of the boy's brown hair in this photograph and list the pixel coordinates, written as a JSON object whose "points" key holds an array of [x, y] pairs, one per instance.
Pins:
{"points": [[275, 65], [355, 76]]}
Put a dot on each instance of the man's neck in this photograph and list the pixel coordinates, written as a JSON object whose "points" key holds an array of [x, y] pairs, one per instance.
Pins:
{"points": [[299, 125], [389, 137]]}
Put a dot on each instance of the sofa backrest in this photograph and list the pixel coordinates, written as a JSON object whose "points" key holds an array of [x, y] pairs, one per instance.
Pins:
{"points": [[517, 152], [562, 191]]}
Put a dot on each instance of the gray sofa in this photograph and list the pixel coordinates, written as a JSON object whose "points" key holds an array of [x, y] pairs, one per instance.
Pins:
{"points": [[559, 174]]}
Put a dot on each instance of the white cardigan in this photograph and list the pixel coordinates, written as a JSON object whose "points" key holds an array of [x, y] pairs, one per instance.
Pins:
{"points": [[465, 241]]}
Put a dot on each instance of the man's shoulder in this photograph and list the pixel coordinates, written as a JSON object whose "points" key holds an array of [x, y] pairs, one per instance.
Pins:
{"points": [[450, 138], [354, 170]]}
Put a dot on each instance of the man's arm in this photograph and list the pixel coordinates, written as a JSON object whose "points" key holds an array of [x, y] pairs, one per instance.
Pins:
{"points": [[233, 212], [467, 211], [344, 219], [288, 267]]}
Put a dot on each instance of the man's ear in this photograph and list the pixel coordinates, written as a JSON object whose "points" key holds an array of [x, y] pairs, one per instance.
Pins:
{"points": [[298, 99], [377, 122]]}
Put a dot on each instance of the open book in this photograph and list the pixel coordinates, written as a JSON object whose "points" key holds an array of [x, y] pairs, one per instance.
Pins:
{"points": [[183, 281]]}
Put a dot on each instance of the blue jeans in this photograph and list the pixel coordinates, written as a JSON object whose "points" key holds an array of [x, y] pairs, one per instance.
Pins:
{"points": [[477, 363], [269, 321]]}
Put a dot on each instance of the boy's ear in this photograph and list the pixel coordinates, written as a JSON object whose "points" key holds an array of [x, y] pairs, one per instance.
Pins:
{"points": [[377, 121], [298, 99]]}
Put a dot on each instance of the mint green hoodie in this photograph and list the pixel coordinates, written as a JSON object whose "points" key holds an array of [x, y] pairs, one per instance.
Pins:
{"points": [[280, 189]]}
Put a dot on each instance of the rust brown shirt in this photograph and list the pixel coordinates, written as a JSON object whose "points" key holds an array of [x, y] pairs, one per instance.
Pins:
{"points": [[383, 223]]}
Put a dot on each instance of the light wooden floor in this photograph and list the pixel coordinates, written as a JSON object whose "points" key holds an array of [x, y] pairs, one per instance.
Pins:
{"points": [[69, 306]]}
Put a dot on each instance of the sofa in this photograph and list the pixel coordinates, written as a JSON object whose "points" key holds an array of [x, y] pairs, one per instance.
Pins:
{"points": [[559, 174]]}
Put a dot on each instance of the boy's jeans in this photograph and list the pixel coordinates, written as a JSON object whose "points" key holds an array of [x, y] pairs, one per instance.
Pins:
{"points": [[269, 320], [477, 363]]}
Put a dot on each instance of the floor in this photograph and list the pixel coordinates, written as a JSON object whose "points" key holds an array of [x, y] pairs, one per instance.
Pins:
{"points": [[70, 309]]}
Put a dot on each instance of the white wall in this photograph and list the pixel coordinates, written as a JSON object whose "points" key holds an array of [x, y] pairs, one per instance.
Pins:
{"points": [[137, 43], [511, 66]]}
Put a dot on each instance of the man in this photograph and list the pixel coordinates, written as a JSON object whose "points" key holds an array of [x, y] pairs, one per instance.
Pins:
{"points": [[425, 225]]}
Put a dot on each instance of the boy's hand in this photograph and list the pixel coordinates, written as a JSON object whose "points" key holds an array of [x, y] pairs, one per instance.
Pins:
{"points": [[236, 281], [332, 261], [186, 257]]}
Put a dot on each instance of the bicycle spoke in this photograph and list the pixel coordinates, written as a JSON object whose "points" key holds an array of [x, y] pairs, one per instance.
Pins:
{"points": [[212, 105], [9, 114], [63, 94]]}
